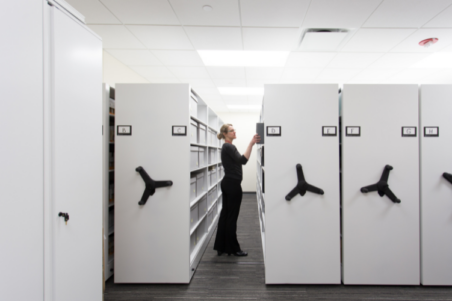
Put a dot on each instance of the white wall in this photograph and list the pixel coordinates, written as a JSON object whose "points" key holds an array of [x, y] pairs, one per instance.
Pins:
{"points": [[113, 72], [245, 126]]}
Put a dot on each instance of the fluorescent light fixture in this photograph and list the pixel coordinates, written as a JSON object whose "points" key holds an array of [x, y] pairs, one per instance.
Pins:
{"points": [[244, 107], [244, 58], [241, 90]]}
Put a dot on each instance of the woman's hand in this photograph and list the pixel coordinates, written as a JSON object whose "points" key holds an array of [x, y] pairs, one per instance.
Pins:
{"points": [[256, 139]]}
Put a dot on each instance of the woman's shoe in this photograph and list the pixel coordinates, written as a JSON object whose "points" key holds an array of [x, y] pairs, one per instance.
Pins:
{"points": [[240, 253], [220, 253]]}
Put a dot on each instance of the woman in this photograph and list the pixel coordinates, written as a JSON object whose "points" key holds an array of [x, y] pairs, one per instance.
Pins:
{"points": [[226, 240]]}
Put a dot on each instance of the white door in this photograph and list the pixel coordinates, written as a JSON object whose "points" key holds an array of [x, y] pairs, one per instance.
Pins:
{"points": [[21, 149], [380, 237], [436, 191], [302, 235], [76, 166]]}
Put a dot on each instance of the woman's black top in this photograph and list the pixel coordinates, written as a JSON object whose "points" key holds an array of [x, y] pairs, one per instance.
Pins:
{"points": [[232, 162]]}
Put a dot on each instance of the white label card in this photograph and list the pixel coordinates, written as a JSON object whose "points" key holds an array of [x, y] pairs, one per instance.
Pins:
{"points": [[353, 131], [179, 130], [124, 130], [431, 131], [409, 131], [273, 131], [329, 131]]}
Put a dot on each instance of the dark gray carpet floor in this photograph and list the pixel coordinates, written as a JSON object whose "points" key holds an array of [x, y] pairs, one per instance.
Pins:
{"points": [[242, 278]]}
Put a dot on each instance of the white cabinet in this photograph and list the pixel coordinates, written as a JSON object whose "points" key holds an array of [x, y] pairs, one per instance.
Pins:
{"points": [[22, 143], [301, 237], [161, 241], [380, 237], [436, 191], [53, 95]]}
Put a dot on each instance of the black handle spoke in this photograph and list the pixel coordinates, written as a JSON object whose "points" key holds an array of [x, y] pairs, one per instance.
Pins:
{"points": [[448, 177], [302, 186], [382, 186], [151, 185]]}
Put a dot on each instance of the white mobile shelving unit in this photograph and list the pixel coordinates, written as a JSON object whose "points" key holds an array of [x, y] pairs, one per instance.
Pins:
{"points": [[169, 131], [301, 128]]}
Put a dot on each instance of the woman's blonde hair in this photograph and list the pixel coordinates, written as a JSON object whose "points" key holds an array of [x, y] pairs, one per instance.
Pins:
{"points": [[224, 130]]}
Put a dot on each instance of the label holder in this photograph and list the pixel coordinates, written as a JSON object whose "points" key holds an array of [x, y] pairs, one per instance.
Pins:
{"points": [[124, 130]]}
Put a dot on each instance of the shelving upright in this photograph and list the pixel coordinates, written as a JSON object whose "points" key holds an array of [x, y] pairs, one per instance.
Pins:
{"points": [[163, 240]]}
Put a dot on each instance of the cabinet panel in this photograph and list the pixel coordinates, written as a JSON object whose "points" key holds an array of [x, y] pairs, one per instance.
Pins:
{"points": [[307, 227], [76, 159], [436, 191], [380, 237], [21, 148]]}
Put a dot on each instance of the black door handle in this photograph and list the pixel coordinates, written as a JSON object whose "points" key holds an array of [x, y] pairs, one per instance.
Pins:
{"points": [[302, 186], [448, 177], [382, 186], [65, 215], [151, 185]]}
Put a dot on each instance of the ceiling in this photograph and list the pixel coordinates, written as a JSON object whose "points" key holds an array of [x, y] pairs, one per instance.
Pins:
{"points": [[159, 39]]}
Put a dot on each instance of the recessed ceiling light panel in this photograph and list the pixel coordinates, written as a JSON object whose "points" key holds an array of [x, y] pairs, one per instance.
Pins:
{"points": [[241, 90], [226, 58]]}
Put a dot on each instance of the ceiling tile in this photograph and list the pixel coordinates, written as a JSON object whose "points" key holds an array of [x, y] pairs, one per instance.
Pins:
{"points": [[376, 40], [163, 80], [212, 98], [309, 59], [223, 13], [261, 82], [235, 100], [412, 75], [230, 82], [411, 44], [199, 83], [116, 36], [447, 49], [161, 37], [405, 13], [264, 72], [376, 74], [227, 72], [438, 60], [135, 57], [300, 74], [296, 81], [218, 107], [397, 60], [339, 13], [444, 19], [439, 77], [215, 38], [153, 71], [190, 72], [354, 60], [273, 13], [324, 41], [142, 11], [271, 38], [255, 100], [207, 91], [338, 74], [94, 11], [178, 57]]}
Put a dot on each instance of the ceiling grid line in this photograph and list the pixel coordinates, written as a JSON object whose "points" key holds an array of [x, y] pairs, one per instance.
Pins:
{"points": [[353, 33], [191, 42], [299, 38]]}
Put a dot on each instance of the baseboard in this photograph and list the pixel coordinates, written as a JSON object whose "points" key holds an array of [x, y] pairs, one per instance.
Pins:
{"points": [[249, 192]]}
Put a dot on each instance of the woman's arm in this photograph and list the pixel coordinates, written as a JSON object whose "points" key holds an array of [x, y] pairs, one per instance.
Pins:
{"points": [[256, 138]]}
